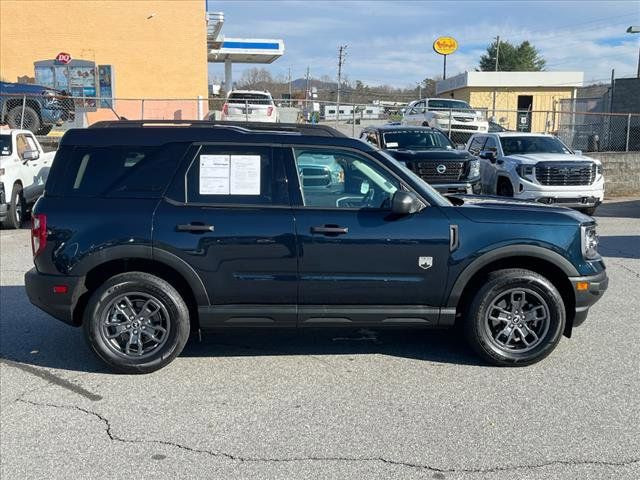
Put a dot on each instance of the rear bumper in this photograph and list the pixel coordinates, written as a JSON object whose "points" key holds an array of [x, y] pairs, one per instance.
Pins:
{"points": [[40, 292], [597, 285]]}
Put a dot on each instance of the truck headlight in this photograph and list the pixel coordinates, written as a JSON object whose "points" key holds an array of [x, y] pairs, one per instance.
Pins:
{"points": [[589, 242], [474, 168], [525, 171]]}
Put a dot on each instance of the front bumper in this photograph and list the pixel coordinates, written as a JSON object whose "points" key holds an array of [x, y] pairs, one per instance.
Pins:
{"points": [[469, 187], [585, 298], [61, 306], [569, 196]]}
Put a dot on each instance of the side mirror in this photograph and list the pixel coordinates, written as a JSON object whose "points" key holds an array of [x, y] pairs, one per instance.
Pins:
{"points": [[404, 203], [30, 155], [488, 155]]}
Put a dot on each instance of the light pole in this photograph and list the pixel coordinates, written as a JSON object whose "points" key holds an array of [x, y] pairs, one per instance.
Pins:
{"points": [[636, 29]]}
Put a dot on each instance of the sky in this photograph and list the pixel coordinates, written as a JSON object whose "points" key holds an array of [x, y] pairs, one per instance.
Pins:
{"points": [[391, 42]]}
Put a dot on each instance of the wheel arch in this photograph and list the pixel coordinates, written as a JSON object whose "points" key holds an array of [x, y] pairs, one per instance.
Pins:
{"points": [[547, 263], [163, 264]]}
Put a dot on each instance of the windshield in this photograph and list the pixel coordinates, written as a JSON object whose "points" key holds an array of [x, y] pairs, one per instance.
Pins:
{"points": [[253, 98], [527, 145], [415, 140], [5, 144], [455, 104], [423, 187]]}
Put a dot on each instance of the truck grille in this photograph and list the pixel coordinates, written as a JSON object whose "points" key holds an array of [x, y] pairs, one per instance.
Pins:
{"points": [[456, 126], [574, 173], [453, 170]]}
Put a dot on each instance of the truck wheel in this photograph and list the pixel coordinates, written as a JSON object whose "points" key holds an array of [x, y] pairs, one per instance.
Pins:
{"points": [[44, 130], [136, 322], [31, 118], [15, 215], [504, 187], [516, 318]]}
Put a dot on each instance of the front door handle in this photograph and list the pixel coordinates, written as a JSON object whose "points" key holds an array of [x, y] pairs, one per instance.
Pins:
{"points": [[330, 230], [194, 227]]}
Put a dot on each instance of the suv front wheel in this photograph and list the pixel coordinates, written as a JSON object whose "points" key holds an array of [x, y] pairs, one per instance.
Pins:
{"points": [[136, 322], [516, 318]]}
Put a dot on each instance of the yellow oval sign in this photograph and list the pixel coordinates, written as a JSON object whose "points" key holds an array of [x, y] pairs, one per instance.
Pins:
{"points": [[445, 45]]}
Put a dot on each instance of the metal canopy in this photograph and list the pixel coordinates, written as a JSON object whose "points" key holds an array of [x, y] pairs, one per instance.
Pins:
{"points": [[245, 50]]}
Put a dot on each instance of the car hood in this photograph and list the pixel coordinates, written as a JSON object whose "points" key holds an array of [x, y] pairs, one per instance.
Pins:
{"points": [[20, 88], [493, 209], [434, 155], [550, 157]]}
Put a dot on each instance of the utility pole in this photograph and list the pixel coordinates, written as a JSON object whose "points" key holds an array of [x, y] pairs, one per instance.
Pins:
{"points": [[420, 90], [306, 88], [342, 52], [307, 93], [493, 114], [289, 85]]}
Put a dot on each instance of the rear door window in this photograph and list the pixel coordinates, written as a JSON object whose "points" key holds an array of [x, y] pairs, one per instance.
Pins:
{"points": [[234, 175]]}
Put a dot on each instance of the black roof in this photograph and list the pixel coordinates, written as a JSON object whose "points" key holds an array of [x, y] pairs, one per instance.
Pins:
{"points": [[159, 132]]}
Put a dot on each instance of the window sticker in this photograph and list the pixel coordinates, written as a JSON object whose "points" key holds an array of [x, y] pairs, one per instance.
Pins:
{"points": [[245, 175], [214, 175], [392, 144]]}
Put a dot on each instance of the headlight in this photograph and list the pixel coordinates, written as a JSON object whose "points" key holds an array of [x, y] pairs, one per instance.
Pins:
{"points": [[474, 168], [589, 242], [442, 114], [525, 171]]}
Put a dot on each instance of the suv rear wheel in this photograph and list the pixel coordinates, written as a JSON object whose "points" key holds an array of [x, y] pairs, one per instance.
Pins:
{"points": [[136, 322], [516, 318]]}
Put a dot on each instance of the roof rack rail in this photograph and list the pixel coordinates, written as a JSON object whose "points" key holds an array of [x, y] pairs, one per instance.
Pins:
{"points": [[249, 127]]}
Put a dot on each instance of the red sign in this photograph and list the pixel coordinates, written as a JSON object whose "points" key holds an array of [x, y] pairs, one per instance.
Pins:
{"points": [[63, 58]]}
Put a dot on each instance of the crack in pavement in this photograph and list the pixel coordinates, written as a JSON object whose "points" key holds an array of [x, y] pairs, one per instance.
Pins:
{"points": [[241, 459]]}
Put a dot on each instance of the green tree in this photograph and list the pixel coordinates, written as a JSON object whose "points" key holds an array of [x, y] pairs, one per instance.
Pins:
{"points": [[512, 58]]}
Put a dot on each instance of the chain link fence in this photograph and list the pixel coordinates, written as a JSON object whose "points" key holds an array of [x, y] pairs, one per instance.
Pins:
{"points": [[581, 130]]}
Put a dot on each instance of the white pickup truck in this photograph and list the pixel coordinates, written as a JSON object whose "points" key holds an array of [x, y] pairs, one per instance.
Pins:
{"points": [[24, 167]]}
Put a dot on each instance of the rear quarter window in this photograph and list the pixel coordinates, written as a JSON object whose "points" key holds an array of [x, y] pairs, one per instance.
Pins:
{"points": [[115, 171]]}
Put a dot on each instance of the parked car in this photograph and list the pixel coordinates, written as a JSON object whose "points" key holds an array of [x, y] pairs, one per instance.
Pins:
{"points": [[429, 153], [448, 115], [538, 167], [24, 167], [147, 233], [250, 106], [43, 107]]}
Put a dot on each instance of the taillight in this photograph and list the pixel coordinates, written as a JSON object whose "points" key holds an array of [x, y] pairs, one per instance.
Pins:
{"points": [[225, 109], [269, 111], [38, 233]]}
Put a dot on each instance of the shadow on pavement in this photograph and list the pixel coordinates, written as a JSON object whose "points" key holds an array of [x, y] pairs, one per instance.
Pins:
{"points": [[32, 337], [623, 246], [625, 209]]}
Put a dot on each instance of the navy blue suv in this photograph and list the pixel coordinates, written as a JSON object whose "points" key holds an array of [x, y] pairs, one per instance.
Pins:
{"points": [[149, 231]]}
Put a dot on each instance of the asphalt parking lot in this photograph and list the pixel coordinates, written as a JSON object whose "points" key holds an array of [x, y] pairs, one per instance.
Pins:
{"points": [[329, 404]]}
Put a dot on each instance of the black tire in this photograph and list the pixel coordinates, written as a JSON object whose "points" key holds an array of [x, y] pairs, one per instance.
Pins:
{"points": [[16, 211], [101, 304], [588, 211], [478, 326], [44, 130], [31, 119], [504, 187]]}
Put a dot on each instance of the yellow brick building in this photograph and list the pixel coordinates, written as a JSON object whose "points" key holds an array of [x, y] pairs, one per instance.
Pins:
{"points": [[150, 48], [535, 92]]}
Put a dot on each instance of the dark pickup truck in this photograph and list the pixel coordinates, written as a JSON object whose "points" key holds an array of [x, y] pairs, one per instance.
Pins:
{"points": [[34, 107], [429, 153]]}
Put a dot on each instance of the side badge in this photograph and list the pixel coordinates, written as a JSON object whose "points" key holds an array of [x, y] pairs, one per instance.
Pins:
{"points": [[425, 262]]}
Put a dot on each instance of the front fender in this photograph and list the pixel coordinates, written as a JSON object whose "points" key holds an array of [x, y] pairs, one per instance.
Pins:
{"points": [[502, 253]]}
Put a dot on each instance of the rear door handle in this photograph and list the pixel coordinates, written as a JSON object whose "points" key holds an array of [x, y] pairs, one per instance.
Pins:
{"points": [[194, 227], [330, 230]]}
